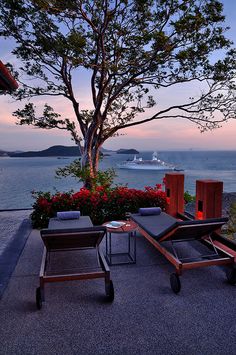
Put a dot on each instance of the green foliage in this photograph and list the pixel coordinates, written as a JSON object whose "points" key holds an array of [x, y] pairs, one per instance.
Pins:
{"points": [[188, 197], [101, 204], [102, 178], [128, 50], [231, 225], [126, 47]]}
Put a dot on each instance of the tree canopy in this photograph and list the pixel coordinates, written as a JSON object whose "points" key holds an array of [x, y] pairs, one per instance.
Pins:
{"points": [[130, 49]]}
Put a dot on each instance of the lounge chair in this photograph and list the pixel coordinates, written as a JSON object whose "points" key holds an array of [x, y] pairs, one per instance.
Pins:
{"points": [[164, 232], [76, 240]]}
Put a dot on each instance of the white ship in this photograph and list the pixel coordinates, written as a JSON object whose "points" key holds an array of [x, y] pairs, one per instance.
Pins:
{"points": [[154, 164]]}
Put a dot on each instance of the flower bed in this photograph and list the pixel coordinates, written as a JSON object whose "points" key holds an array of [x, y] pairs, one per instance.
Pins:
{"points": [[101, 205]]}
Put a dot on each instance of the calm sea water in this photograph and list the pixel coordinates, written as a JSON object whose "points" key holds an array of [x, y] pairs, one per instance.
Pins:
{"points": [[19, 176]]}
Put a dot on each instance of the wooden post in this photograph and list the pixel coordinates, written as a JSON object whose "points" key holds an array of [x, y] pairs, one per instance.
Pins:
{"points": [[208, 199], [175, 193]]}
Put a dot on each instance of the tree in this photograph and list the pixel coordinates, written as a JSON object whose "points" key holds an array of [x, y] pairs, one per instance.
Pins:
{"points": [[129, 49]]}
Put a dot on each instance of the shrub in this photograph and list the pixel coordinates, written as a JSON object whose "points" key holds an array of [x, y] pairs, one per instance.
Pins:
{"points": [[229, 229], [101, 205], [82, 174], [188, 197]]}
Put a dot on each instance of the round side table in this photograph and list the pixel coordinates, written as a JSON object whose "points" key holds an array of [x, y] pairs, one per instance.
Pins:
{"points": [[129, 229]]}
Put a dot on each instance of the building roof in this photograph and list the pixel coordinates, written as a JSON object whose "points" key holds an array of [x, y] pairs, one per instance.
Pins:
{"points": [[7, 82]]}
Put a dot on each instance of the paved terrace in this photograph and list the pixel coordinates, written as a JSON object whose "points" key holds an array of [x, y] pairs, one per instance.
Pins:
{"points": [[145, 317]]}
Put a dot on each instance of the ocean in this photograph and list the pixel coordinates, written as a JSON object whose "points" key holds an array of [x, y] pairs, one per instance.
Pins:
{"points": [[20, 176]]}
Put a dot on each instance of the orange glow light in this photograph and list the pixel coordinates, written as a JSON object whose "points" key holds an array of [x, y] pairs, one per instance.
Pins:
{"points": [[199, 215]]}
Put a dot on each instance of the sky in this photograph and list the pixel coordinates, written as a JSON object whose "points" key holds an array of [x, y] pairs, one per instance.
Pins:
{"points": [[171, 134]]}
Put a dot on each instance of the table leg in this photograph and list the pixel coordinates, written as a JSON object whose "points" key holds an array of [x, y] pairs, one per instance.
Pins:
{"points": [[131, 252]]}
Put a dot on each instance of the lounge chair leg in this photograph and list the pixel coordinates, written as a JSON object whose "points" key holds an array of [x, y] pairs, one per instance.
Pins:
{"points": [[231, 276], [38, 298], [175, 283], [110, 291], [41, 283]]}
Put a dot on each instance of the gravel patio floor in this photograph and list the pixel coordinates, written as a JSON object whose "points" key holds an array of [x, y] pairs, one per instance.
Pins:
{"points": [[146, 317]]}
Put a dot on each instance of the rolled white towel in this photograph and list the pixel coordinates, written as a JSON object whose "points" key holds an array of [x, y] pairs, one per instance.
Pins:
{"points": [[68, 215], [149, 211]]}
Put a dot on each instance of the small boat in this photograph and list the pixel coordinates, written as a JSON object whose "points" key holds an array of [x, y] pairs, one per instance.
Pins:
{"points": [[154, 164]]}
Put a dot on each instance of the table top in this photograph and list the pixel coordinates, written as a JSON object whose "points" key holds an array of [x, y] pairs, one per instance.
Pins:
{"points": [[82, 222], [129, 226]]}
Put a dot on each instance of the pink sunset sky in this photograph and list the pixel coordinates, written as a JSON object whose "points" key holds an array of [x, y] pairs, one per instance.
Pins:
{"points": [[171, 134]]}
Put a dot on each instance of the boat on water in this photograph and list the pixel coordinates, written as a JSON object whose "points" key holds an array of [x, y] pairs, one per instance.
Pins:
{"points": [[154, 164]]}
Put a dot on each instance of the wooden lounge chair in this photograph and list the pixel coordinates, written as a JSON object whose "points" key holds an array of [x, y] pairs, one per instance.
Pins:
{"points": [[74, 240], [164, 232]]}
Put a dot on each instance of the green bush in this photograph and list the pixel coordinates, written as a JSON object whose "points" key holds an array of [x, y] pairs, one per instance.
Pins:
{"points": [[188, 197]]}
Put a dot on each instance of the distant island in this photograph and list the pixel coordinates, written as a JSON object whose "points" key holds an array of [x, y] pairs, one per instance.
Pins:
{"points": [[3, 153], [54, 151], [59, 151], [127, 151]]}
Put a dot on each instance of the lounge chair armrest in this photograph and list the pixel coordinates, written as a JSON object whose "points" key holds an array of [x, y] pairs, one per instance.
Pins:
{"points": [[185, 216], [103, 260]]}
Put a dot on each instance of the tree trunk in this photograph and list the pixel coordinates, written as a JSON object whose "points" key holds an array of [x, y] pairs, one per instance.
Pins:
{"points": [[90, 161]]}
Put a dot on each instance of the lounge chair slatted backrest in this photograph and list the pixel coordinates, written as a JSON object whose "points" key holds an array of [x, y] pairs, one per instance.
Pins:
{"points": [[195, 229], [64, 239], [74, 236]]}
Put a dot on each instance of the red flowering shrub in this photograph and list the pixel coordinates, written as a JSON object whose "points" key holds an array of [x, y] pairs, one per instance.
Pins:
{"points": [[101, 205]]}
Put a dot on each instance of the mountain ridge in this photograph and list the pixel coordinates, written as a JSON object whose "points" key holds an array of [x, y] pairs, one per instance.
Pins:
{"points": [[59, 151], [54, 151]]}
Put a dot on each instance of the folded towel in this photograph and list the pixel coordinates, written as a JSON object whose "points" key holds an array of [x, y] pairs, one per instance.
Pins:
{"points": [[68, 215], [149, 211], [116, 224]]}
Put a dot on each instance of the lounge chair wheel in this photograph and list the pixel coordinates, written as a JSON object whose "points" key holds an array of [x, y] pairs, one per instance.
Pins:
{"points": [[175, 283], [231, 276], [38, 298], [110, 293]]}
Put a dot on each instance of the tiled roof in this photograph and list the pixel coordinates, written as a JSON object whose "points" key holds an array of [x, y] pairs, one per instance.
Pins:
{"points": [[7, 82]]}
